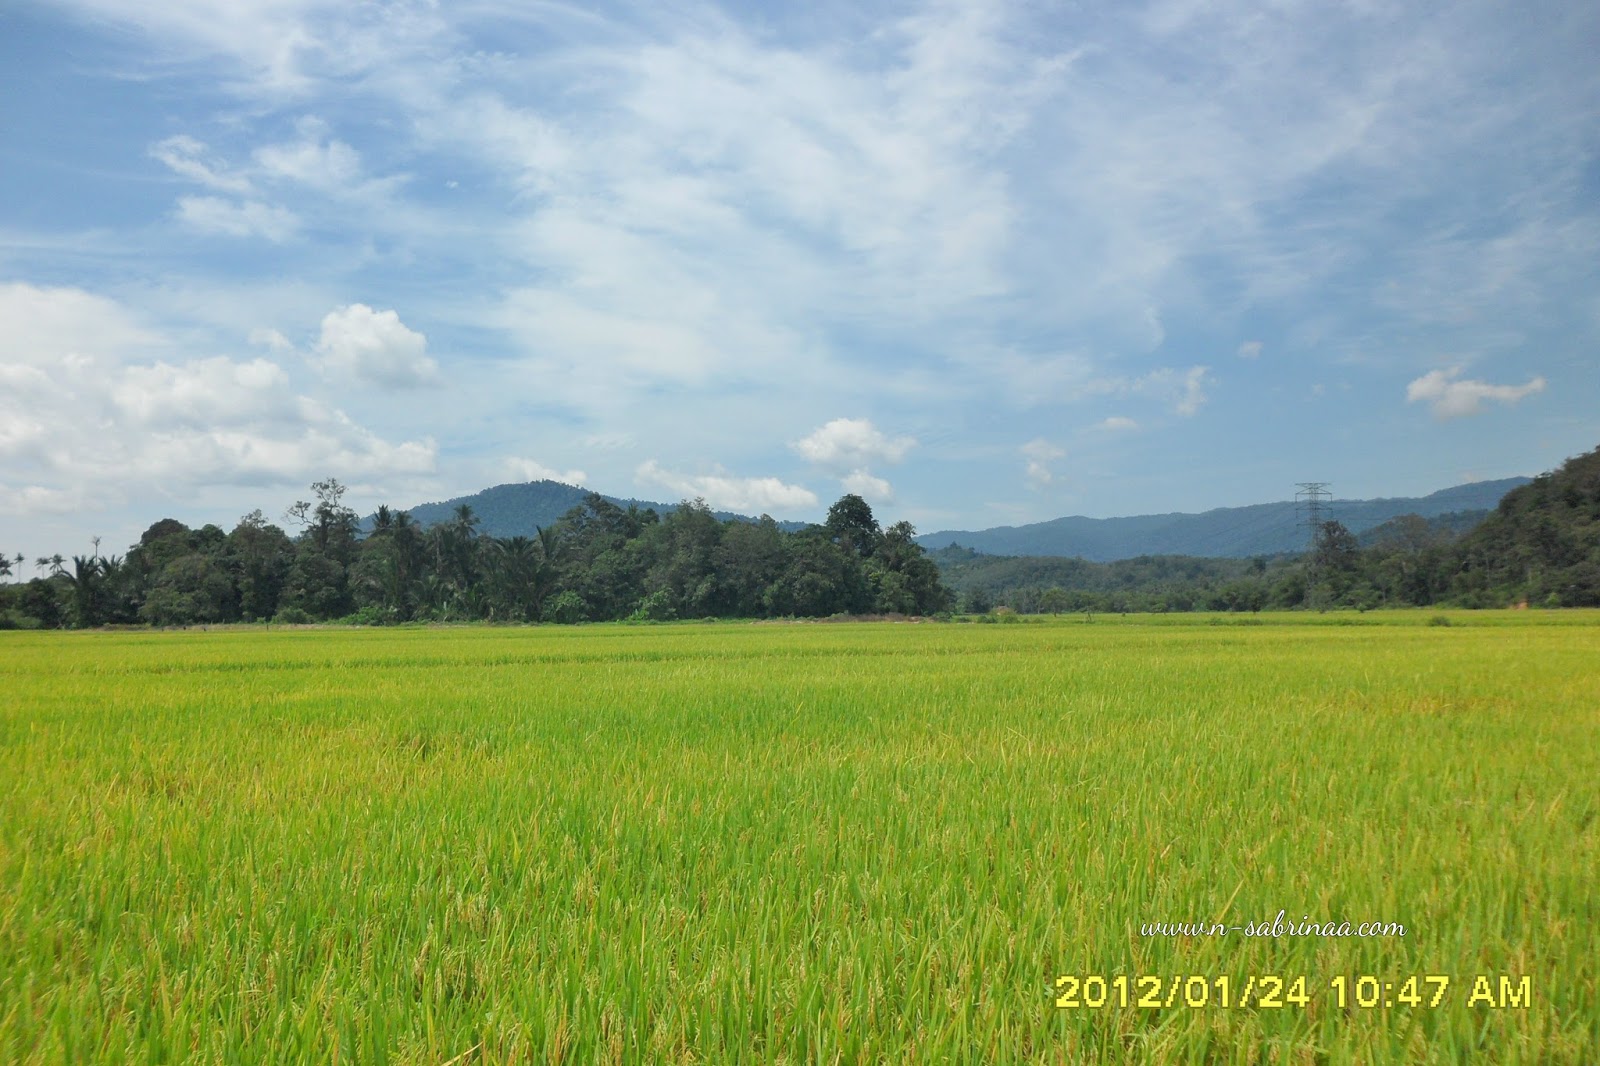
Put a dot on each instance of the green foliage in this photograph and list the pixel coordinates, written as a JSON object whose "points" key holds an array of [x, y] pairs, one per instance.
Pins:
{"points": [[566, 608], [370, 615], [602, 561], [656, 607]]}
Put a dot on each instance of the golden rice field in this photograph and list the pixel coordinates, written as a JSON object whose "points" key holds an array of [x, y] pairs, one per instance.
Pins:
{"points": [[845, 843]]}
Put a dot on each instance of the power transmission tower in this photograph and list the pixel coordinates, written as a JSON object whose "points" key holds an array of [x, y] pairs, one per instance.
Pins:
{"points": [[1310, 500]]}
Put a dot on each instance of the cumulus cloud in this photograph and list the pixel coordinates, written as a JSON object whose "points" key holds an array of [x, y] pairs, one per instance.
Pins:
{"points": [[869, 487], [1450, 397], [750, 495], [1250, 350], [237, 218], [851, 444], [533, 470], [374, 346], [88, 415], [1117, 424], [50, 326], [1040, 453], [205, 392]]}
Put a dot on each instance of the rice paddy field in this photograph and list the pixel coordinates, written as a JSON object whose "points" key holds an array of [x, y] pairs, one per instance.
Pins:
{"points": [[840, 843]]}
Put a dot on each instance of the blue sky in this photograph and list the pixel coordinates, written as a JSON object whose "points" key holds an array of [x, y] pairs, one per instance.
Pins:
{"points": [[984, 263]]}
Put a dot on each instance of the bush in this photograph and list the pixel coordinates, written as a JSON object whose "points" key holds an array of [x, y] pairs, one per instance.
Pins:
{"points": [[1439, 620], [370, 615], [656, 607], [292, 616], [567, 608]]}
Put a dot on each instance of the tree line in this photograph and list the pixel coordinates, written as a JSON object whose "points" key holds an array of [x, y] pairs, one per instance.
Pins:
{"points": [[1539, 547], [598, 562]]}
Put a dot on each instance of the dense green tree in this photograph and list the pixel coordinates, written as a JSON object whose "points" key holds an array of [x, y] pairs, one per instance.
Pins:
{"points": [[192, 589], [43, 600], [317, 585], [259, 556], [599, 561], [748, 560], [683, 556], [851, 525]]}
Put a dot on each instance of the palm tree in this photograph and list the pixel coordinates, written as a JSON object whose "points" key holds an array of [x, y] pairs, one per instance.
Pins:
{"points": [[85, 578], [517, 577]]}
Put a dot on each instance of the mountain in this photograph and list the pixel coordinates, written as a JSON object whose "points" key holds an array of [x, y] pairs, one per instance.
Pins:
{"points": [[518, 509], [1227, 532]]}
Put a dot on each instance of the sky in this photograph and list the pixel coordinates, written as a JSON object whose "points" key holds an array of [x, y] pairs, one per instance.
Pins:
{"points": [[980, 262]]}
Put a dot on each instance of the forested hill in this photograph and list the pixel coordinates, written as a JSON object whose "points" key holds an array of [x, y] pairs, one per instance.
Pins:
{"points": [[1542, 543], [517, 510], [1227, 532]]}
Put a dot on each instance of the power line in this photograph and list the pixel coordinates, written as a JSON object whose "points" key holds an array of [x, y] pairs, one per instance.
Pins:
{"points": [[1311, 498]]}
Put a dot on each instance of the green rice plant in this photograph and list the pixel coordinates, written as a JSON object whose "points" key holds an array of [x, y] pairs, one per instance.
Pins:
{"points": [[756, 843]]}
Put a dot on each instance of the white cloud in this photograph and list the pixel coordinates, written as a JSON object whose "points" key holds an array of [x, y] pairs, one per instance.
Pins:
{"points": [[851, 444], [275, 50], [752, 495], [609, 442], [315, 159], [869, 487], [1450, 397], [245, 218], [204, 392], [1193, 396], [191, 159], [1185, 390], [35, 500], [50, 326], [270, 339], [669, 212], [1040, 453], [91, 417], [374, 346], [533, 470], [1117, 424]]}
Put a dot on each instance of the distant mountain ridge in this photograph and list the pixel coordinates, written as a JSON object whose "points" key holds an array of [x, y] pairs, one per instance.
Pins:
{"points": [[1226, 532], [519, 508]]}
